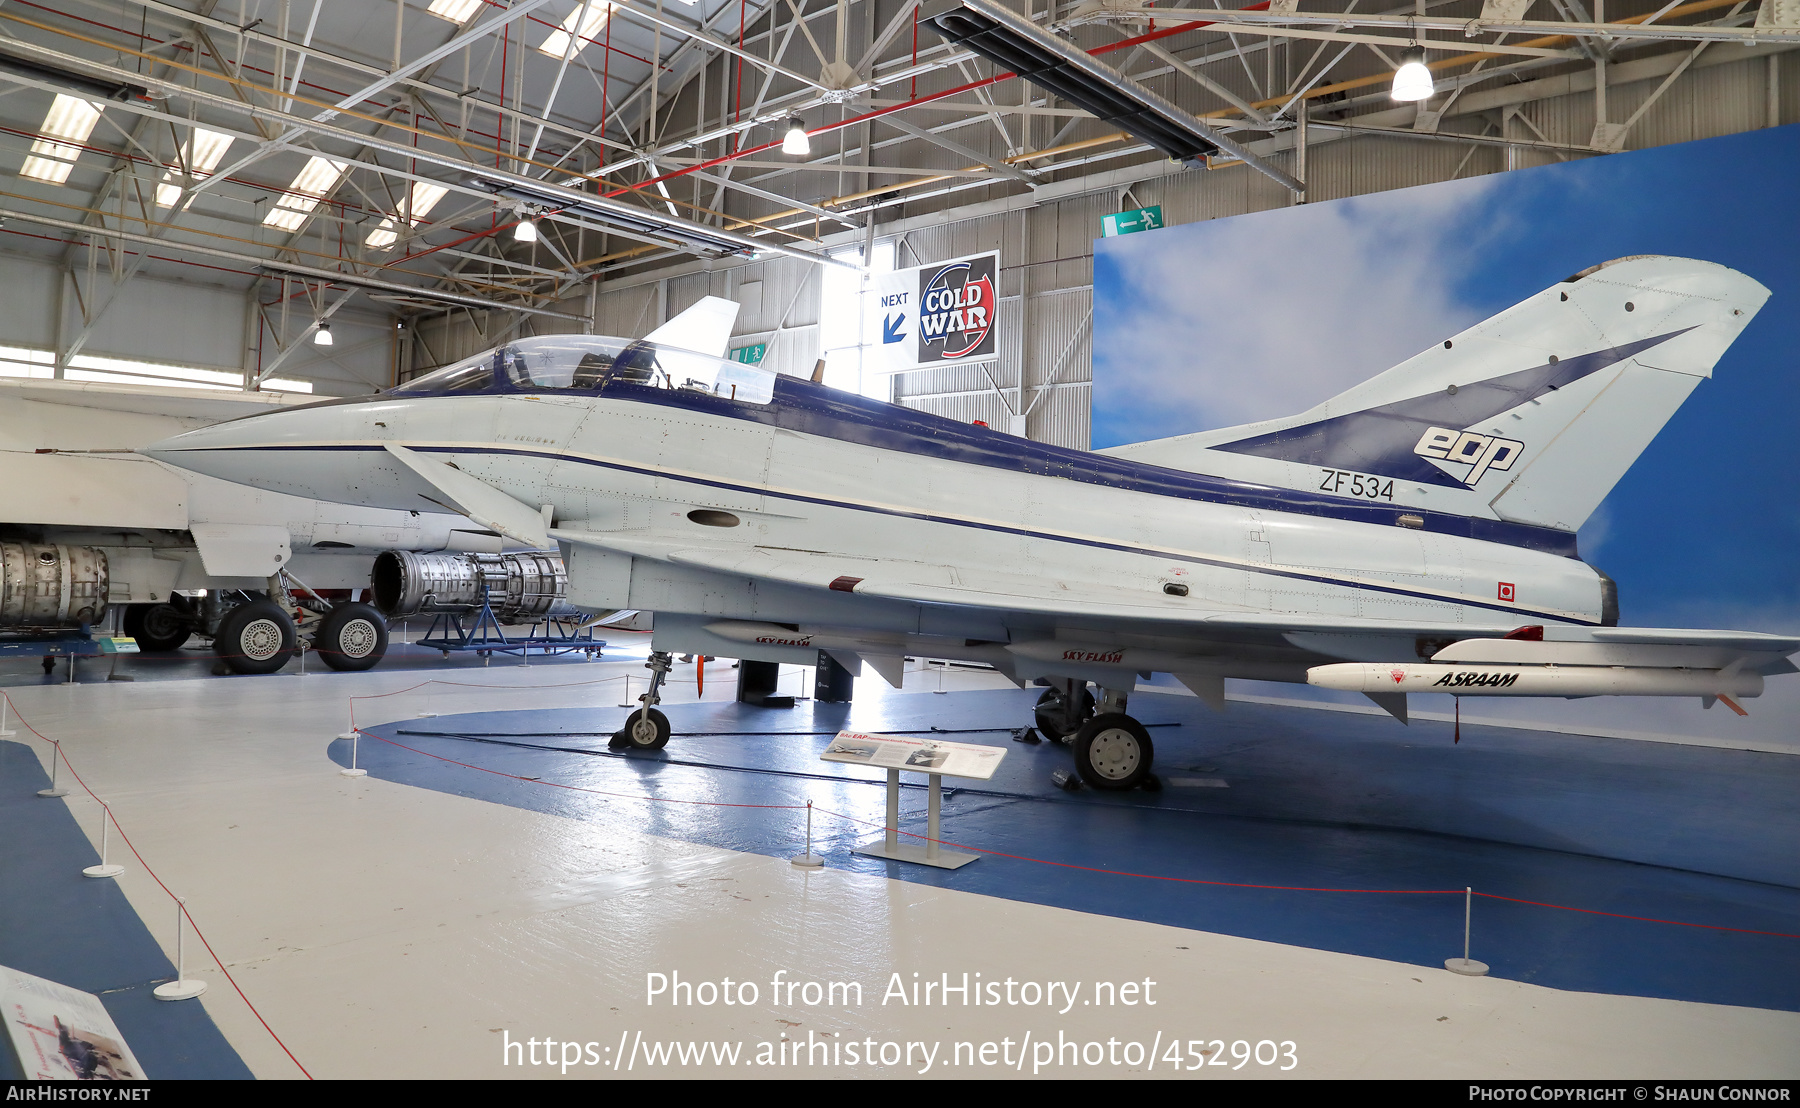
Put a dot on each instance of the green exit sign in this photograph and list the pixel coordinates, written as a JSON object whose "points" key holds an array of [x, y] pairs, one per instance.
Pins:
{"points": [[750, 355], [1125, 223]]}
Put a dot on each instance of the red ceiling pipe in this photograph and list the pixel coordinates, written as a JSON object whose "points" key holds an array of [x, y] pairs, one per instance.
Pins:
{"points": [[826, 129]]}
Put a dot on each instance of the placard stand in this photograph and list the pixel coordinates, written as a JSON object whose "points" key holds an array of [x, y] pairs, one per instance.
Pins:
{"points": [[889, 845], [934, 758]]}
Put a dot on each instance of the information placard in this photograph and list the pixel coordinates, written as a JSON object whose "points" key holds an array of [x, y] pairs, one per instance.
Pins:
{"points": [[63, 1034], [919, 755]]}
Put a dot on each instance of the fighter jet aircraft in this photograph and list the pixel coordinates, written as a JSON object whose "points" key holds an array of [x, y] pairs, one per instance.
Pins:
{"points": [[1416, 533]]}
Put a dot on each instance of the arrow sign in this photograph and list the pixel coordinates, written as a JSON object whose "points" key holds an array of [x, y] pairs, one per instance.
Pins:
{"points": [[890, 328]]}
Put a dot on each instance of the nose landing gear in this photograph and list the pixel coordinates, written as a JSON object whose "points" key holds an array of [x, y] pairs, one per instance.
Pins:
{"points": [[646, 728]]}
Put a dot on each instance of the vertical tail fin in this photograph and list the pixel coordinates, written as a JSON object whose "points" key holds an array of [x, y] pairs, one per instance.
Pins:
{"points": [[705, 327], [1530, 416]]}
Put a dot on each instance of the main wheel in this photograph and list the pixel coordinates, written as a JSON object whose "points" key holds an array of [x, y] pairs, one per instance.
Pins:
{"points": [[1049, 714], [645, 729], [352, 636], [1113, 751], [257, 637], [156, 627]]}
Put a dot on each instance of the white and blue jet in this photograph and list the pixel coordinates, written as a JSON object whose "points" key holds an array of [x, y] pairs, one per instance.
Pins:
{"points": [[1414, 534]]}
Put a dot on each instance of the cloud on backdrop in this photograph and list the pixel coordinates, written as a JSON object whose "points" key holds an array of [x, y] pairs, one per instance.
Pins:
{"points": [[1229, 321]]}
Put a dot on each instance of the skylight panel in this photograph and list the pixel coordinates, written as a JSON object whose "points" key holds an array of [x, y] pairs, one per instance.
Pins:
{"points": [[423, 197], [314, 182], [456, 11], [70, 118], [592, 17], [205, 149]]}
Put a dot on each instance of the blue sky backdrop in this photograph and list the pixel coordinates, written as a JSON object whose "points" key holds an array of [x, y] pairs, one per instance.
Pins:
{"points": [[1233, 320]]}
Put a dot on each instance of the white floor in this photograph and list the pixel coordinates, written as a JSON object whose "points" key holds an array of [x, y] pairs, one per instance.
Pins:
{"points": [[389, 931]]}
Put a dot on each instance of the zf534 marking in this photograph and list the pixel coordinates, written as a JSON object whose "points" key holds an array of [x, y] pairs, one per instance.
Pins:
{"points": [[1355, 484]]}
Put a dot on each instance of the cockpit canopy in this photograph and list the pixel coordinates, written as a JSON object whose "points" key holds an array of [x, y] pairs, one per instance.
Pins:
{"points": [[588, 363]]}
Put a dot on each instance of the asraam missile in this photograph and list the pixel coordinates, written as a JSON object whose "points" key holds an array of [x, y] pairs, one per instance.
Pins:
{"points": [[1480, 680]]}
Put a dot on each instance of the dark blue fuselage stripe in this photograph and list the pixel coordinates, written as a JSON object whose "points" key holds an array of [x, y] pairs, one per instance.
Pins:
{"points": [[951, 521], [804, 407]]}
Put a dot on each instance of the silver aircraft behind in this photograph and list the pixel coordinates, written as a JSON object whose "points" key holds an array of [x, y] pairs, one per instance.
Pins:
{"points": [[1414, 534]]}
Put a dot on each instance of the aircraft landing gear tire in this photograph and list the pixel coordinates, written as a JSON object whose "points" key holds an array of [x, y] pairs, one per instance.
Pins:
{"points": [[257, 637], [1049, 716], [352, 636], [156, 627], [645, 729], [1113, 751]]}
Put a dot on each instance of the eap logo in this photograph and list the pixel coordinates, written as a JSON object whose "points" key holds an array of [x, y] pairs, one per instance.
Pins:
{"points": [[957, 309], [1480, 453]]}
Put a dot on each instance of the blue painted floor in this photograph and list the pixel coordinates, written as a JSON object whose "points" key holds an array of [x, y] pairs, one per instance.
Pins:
{"points": [[81, 932], [1315, 799]]}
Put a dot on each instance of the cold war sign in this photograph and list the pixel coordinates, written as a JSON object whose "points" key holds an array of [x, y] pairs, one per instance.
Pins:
{"points": [[938, 314]]}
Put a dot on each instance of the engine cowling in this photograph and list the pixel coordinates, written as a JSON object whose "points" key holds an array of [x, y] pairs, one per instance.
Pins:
{"points": [[530, 585], [51, 585]]}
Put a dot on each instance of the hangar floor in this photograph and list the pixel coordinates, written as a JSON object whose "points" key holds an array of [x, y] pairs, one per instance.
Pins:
{"points": [[479, 888]]}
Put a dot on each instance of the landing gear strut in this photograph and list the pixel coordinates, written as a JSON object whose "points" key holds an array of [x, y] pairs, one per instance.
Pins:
{"points": [[1065, 705], [1113, 750], [647, 728]]}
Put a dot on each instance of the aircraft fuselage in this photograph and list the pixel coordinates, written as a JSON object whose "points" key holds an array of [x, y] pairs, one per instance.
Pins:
{"points": [[835, 479]]}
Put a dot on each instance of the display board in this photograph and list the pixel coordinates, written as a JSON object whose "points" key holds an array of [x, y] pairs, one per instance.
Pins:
{"points": [[1219, 323], [63, 1034], [918, 755], [929, 315]]}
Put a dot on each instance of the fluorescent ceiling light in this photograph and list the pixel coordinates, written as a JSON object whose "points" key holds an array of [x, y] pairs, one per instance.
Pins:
{"points": [[1413, 80], [592, 16], [456, 11], [314, 182], [70, 118], [205, 149], [795, 141]]}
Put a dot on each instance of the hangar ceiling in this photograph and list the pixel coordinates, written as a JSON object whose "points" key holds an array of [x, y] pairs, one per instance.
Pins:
{"points": [[329, 150]]}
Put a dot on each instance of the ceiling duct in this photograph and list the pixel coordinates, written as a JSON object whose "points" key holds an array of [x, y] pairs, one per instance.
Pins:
{"points": [[449, 298], [1064, 69], [69, 79], [599, 209]]}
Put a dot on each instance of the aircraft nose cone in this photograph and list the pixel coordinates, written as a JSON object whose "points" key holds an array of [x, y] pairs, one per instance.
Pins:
{"points": [[275, 450], [206, 450]]}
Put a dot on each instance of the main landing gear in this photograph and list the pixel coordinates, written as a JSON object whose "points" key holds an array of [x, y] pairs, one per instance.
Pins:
{"points": [[1112, 750], [646, 728]]}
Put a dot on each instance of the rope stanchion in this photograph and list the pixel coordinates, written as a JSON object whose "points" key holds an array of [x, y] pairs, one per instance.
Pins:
{"points": [[104, 869], [5, 731], [1466, 965], [352, 770], [183, 987], [809, 860], [55, 758]]}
